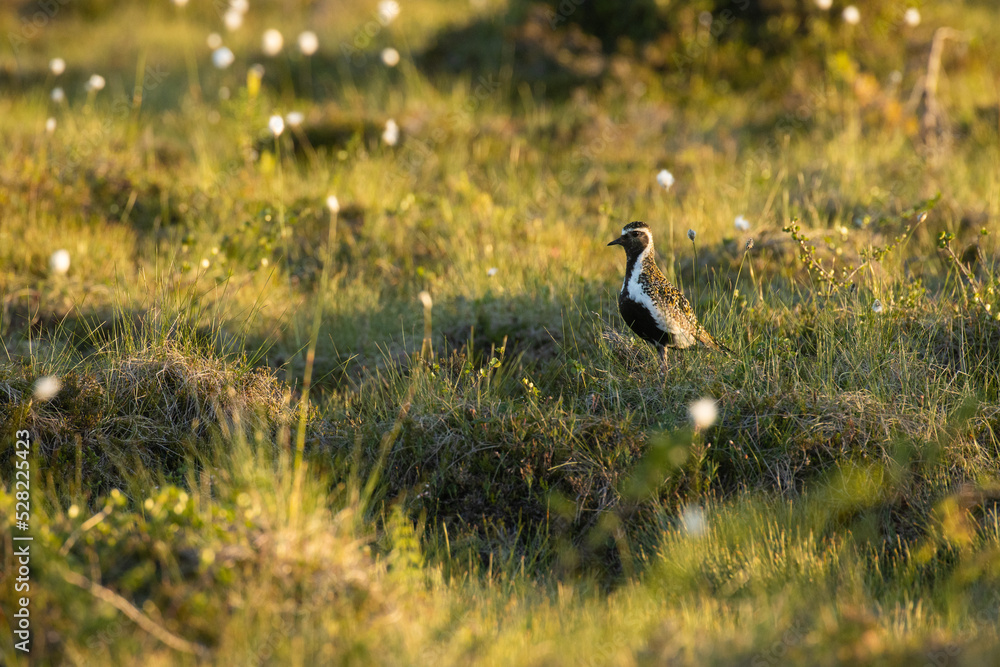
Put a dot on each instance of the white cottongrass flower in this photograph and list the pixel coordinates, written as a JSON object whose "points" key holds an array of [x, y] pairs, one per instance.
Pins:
{"points": [[50, 125], [691, 234], [272, 42], [912, 17], [851, 15], [665, 179], [59, 262], [388, 10], [214, 40], [95, 82], [46, 388], [703, 413], [742, 223], [877, 306], [232, 19], [241, 6], [333, 204], [58, 95], [694, 520], [180, 3], [390, 135], [492, 272], [308, 43], [425, 298], [294, 118], [57, 66], [223, 57], [276, 124], [824, 4], [390, 57]]}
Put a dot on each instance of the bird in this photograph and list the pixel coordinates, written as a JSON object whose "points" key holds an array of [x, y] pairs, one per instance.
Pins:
{"points": [[651, 306]]}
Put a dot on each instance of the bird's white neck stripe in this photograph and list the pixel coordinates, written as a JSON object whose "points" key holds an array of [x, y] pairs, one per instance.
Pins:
{"points": [[635, 292], [632, 272]]}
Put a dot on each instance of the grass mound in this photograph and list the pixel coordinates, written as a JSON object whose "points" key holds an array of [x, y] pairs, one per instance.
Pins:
{"points": [[186, 571], [146, 410], [508, 447]]}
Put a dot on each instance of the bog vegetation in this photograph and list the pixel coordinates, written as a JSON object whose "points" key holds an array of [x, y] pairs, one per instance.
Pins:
{"points": [[309, 312]]}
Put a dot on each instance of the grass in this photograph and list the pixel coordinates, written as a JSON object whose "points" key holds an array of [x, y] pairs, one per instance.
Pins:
{"points": [[527, 488]]}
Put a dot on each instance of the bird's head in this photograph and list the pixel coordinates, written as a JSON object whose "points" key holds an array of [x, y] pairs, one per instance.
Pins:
{"points": [[635, 238]]}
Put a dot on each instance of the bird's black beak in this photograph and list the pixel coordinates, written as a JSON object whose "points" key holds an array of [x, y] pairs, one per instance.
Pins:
{"points": [[618, 241]]}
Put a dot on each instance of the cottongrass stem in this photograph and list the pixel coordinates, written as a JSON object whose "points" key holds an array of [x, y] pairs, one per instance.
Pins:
{"points": [[300, 437], [427, 349]]}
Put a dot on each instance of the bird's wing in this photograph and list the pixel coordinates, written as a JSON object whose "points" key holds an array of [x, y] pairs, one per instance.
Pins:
{"points": [[675, 313]]}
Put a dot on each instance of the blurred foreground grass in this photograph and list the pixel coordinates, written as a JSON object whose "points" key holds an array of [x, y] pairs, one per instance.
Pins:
{"points": [[534, 492]]}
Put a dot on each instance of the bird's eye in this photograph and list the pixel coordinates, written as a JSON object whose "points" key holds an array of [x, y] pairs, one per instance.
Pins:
{"points": [[635, 233]]}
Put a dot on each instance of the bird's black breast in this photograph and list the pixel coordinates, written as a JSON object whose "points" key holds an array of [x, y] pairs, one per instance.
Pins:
{"points": [[641, 321]]}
